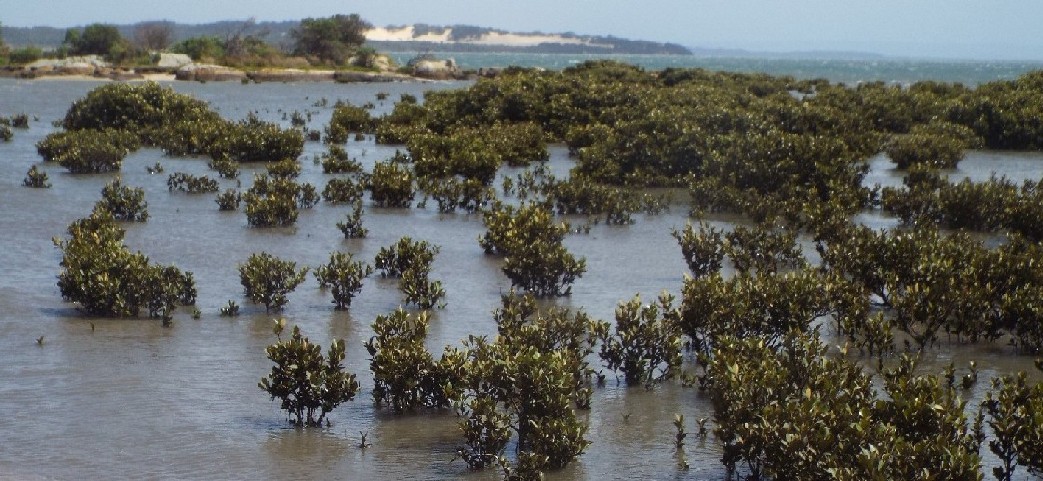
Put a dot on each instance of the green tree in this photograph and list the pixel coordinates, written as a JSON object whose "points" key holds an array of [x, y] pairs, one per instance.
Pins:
{"points": [[343, 277], [266, 279], [308, 384], [330, 40], [96, 39]]}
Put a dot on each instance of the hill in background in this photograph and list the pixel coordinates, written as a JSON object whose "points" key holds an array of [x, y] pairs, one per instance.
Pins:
{"points": [[419, 37]]}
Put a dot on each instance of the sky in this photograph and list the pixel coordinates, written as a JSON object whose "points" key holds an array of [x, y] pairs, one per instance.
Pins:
{"points": [[968, 29]]}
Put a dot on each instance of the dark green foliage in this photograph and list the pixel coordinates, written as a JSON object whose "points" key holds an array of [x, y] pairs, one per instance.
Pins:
{"points": [[36, 178], [793, 412], [343, 277], [765, 306], [391, 185], [405, 376], [330, 40], [404, 255], [939, 145], [929, 283], [452, 193], [342, 191], [527, 382], [96, 38], [201, 48], [191, 184], [88, 151], [274, 202], [763, 249], [1004, 113], [228, 200], [346, 119], [703, 251], [123, 203], [993, 205], [534, 257], [646, 345], [336, 161], [106, 279], [148, 110], [411, 261], [230, 310], [25, 55], [267, 280], [5, 133], [254, 140], [420, 290], [352, 225], [1013, 413], [227, 169], [284, 169], [308, 385]]}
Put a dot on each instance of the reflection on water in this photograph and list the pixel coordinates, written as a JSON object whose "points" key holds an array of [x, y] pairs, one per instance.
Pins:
{"points": [[108, 398]]}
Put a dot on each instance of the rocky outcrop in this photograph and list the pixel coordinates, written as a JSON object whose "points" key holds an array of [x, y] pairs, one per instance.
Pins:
{"points": [[436, 69], [173, 60], [291, 75], [352, 76], [206, 73]]}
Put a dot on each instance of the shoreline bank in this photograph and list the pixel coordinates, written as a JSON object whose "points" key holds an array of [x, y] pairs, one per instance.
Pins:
{"points": [[215, 73]]}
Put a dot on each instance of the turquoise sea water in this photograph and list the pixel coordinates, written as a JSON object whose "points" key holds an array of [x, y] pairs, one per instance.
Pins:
{"points": [[848, 71]]}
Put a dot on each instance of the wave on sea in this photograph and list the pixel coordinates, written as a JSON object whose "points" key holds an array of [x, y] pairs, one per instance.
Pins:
{"points": [[900, 71]]}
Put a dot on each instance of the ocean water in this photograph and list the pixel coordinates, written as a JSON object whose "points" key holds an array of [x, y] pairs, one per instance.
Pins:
{"points": [[903, 71], [107, 398]]}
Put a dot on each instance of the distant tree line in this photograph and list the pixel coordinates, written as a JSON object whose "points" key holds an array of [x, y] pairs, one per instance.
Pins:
{"points": [[330, 41]]}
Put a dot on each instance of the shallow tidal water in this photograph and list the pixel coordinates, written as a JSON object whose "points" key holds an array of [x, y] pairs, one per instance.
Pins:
{"points": [[130, 399]]}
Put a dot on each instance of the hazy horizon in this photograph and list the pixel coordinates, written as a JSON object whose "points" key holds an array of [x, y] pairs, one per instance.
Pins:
{"points": [[953, 29]]}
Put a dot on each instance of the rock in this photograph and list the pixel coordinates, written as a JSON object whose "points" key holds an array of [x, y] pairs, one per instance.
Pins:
{"points": [[76, 68], [354, 76], [436, 69], [173, 60], [291, 75], [206, 73]]}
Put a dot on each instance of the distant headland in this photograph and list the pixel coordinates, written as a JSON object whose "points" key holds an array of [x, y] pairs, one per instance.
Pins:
{"points": [[417, 37]]}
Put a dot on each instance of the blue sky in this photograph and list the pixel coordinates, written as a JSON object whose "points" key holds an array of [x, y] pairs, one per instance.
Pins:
{"points": [[994, 29]]}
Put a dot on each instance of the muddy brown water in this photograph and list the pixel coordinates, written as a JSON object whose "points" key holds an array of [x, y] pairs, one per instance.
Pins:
{"points": [[130, 399]]}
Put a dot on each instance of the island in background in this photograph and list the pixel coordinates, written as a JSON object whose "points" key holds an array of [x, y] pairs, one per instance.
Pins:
{"points": [[418, 37]]}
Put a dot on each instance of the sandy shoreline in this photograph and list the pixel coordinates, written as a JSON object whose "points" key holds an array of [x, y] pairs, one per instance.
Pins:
{"points": [[149, 77]]}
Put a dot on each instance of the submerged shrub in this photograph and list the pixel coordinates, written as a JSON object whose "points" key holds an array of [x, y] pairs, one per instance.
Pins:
{"points": [[267, 280], [452, 193], [274, 202], [535, 258], [106, 279], [793, 412], [228, 200], [343, 277], [87, 151], [406, 376], [703, 251], [351, 227], [346, 119], [284, 169], [254, 140], [336, 161], [36, 178], [940, 145], [136, 108], [646, 345], [123, 203], [191, 184], [308, 384], [391, 185], [342, 191], [406, 254]]}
